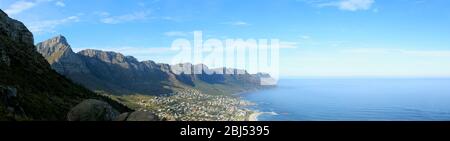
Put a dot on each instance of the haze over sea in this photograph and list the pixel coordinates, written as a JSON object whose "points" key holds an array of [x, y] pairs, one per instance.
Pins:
{"points": [[355, 99]]}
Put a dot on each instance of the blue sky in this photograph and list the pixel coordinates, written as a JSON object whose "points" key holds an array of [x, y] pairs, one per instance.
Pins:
{"points": [[322, 37]]}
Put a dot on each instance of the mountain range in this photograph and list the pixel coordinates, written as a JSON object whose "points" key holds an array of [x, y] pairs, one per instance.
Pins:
{"points": [[115, 73]]}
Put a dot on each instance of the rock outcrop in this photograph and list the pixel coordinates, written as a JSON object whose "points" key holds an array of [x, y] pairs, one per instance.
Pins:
{"points": [[8, 96], [95, 110], [92, 110]]}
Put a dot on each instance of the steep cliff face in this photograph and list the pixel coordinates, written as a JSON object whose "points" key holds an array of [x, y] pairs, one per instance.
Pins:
{"points": [[61, 57], [119, 74], [29, 88]]}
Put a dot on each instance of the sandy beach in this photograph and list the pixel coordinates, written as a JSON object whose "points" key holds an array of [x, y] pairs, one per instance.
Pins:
{"points": [[254, 116]]}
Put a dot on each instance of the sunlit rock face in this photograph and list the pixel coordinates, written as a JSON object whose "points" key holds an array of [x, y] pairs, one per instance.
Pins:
{"points": [[61, 57]]}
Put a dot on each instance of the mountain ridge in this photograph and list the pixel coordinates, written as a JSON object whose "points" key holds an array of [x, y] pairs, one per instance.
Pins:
{"points": [[116, 73]]}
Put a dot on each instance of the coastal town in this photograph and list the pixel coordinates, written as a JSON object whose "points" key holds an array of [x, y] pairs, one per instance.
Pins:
{"points": [[192, 105]]}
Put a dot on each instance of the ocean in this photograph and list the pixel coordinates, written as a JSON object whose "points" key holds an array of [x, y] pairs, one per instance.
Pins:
{"points": [[355, 99]]}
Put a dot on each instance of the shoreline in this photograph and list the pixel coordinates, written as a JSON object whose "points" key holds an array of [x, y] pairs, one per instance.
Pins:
{"points": [[254, 116]]}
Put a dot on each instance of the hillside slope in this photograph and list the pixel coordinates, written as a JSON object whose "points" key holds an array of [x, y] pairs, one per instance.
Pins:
{"points": [[29, 88]]}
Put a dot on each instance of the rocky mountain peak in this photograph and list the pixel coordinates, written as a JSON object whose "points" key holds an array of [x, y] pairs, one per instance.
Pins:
{"points": [[55, 48], [60, 39], [59, 54], [57, 41]]}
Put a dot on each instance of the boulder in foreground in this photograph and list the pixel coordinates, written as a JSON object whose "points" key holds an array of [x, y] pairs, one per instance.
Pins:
{"points": [[92, 110]]}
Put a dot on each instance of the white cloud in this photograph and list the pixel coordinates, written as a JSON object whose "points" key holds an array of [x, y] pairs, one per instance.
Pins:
{"points": [[40, 27], [354, 5], [288, 45], [60, 4], [431, 53], [19, 7], [168, 18], [176, 34], [102, 14], [416, 53], [305, 37], [237, 23], [23, 5], [350, 5], [136, 16]]}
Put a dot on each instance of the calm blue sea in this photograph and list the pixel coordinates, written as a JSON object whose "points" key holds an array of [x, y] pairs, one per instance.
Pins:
{"points": [[355, 99]]}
